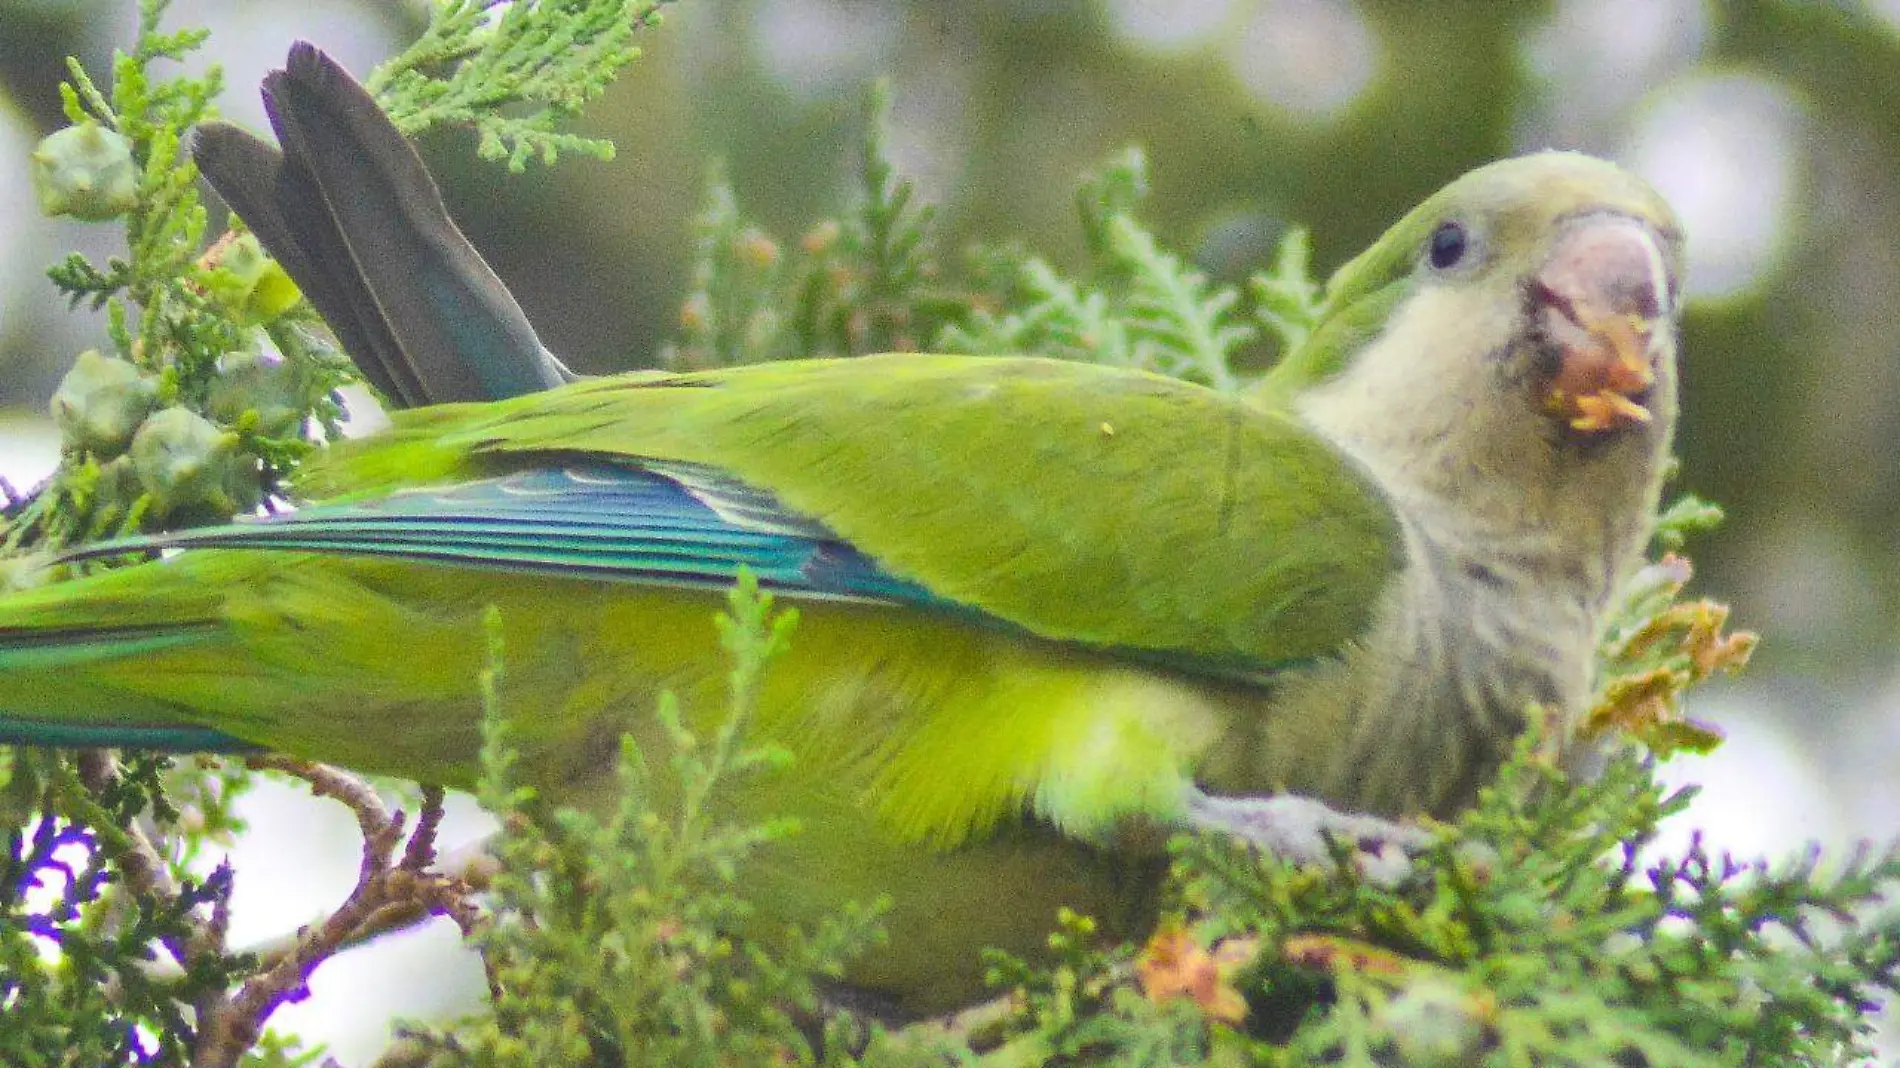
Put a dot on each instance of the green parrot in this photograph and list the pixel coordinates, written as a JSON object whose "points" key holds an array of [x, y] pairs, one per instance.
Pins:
{"points": [[1044, 605]]}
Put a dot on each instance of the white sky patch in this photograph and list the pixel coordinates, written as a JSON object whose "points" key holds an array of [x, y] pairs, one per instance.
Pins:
{"points": [[1722, 149], [29, 447], [1309, 57], [825, 47], [363, 414], [1169, 25], [1762, 795]]}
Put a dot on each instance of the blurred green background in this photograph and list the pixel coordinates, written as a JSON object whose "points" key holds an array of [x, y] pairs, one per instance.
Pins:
{"points": [[1773, 126]]}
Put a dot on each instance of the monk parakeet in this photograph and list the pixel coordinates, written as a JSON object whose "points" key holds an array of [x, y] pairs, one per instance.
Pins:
{"points": [[1042, 602]]}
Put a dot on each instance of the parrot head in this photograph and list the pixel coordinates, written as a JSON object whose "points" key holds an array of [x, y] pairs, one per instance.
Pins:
{"points": [[1504, 357], [1502, 366]]}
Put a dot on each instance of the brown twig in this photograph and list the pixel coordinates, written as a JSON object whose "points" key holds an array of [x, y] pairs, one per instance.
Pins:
{"points": [[144, 871], [389, 893]]}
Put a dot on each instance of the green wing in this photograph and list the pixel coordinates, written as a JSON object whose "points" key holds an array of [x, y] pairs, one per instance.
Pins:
{"points": [[1080, 503]]}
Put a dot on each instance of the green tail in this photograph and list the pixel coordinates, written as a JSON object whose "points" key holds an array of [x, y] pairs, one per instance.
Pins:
{"points": [[69, 658]]}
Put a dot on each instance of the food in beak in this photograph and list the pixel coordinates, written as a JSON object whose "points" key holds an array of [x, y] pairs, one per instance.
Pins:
{"points": [[1599, 297]]}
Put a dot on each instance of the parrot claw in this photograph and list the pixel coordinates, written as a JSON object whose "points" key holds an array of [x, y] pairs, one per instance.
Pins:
{"points": [[1305, 831]]}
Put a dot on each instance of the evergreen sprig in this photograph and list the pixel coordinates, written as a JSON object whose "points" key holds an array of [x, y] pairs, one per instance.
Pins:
{"points": [[85, 910], [1138, 306], [866, 281], [1516, 942], [612, 942], [1183, 326], [514, 71], [1287, 299]]}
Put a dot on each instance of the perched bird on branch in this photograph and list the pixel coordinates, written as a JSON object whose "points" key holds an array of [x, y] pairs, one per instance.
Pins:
{"points": [[1044, 605]]}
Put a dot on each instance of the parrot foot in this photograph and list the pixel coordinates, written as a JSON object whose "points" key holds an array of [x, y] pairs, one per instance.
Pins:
{"points": [[1307, 832]]}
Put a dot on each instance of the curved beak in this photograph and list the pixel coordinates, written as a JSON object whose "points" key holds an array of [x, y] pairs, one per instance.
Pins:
{"points": [[1599, 299]]}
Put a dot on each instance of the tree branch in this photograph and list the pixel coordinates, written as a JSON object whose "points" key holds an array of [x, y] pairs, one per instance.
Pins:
{"points": [[389, 894]]}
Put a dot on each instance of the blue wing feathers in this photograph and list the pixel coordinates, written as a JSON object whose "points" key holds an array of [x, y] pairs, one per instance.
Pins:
{"points": [[671, 524], [164, 738], [664, 523]]}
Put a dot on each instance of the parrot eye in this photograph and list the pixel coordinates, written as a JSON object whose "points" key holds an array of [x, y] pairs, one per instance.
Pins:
{"points": [[1448, 245]]}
